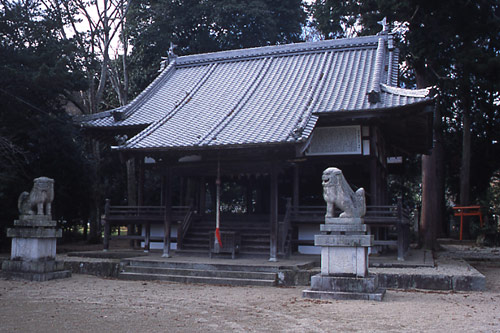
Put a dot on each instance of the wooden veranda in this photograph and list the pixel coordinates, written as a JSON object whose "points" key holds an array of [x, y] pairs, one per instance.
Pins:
{"points": [[377, 217]]}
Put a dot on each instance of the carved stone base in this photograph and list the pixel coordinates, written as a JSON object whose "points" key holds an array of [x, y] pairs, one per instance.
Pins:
{"points": [[344, 254], [33, 248], [344, 288], [34, 238]]}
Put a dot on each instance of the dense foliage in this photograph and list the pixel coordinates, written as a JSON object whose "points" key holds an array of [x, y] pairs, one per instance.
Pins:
{"points": [[454, 45], [36, 135], [197, 26]]}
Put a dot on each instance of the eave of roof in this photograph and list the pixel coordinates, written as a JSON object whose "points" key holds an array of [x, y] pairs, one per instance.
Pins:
{"points": [[261, 96], [393, 99]]}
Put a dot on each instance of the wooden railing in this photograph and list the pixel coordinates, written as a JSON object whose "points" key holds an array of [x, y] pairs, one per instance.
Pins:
{"points": [[184, 227], [133, 214], [138, 215], [376, 217]]}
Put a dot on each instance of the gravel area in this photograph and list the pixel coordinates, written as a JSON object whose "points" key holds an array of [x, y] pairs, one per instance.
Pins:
{"points": [[86, 303]]}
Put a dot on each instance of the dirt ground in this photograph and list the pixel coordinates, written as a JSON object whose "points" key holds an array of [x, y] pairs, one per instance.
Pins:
{"points": [[91, 304]]}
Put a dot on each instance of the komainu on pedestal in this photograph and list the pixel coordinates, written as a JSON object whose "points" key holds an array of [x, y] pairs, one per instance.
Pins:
{"points": [[34, 236], [344, 245]]}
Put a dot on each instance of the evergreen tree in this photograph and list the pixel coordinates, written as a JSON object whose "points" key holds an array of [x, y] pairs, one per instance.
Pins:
{"points": [[455, 46], [36, 136], [197, 26]]}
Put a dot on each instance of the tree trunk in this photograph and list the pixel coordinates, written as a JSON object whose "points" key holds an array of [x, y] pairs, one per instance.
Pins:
{"points": [[429, 220], [432, 184], [94, 234], [466, 156]]}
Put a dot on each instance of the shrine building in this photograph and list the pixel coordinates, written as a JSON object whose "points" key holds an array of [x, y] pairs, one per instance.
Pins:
{"points": [[250, 131]]}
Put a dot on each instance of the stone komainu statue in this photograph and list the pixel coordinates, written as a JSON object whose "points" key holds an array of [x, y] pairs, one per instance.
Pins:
{"points": [[337, 192], [40, 197]]}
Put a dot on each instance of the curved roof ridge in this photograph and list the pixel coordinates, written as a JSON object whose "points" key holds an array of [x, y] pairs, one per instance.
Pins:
{"points": [[274, 50], [98, 115], [420, 93]]}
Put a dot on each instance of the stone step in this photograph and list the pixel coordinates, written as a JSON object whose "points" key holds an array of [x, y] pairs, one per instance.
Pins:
{"points": [[200, 266], [197, 279], [201, 273]]}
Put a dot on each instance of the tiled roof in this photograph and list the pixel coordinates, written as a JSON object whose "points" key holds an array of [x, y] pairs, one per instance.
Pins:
{"points": [[262, 95]]}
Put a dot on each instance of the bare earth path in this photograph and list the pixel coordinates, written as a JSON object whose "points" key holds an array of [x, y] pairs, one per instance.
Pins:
{"points": [[90, 304]]}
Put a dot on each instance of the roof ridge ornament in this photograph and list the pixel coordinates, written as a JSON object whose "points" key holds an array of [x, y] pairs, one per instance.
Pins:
{"points": [[385, 26], [165, 61], [171, 53]]}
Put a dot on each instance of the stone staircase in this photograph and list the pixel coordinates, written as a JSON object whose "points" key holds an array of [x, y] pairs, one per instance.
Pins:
{"points": [[208, 273]]}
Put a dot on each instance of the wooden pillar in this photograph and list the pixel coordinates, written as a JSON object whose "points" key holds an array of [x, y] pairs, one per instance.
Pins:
{"points": [[296, 184], [131, 193], [401, 232], [147, 237], [107, 227], [168, 216], [273, 209], [374, 181], [140, 202]]}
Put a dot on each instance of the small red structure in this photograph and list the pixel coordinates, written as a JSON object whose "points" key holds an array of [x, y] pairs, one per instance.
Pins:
{"points": [[468, 211]]}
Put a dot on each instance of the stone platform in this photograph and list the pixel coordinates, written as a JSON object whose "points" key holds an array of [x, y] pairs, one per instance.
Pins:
{"points": [[33, 250], [344, 288], [34, 270], [344, 262]]}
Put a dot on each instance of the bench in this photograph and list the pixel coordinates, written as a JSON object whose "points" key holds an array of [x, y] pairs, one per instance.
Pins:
{"points": [[390, 217]]}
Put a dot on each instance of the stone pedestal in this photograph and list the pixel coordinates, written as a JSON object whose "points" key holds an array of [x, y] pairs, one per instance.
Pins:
{"points": [[33, 251], [344, 262]]}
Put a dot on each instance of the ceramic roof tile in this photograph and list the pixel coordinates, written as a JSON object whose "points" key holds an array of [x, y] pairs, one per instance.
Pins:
{"points": [[262, 95]]}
